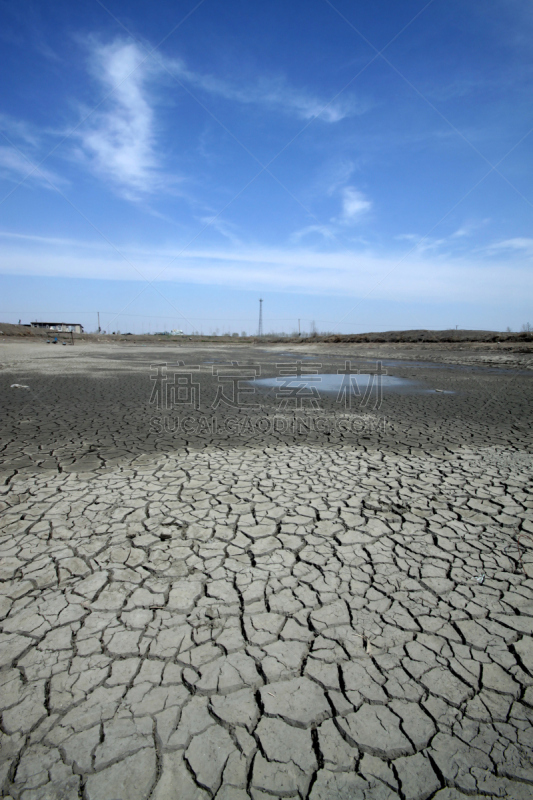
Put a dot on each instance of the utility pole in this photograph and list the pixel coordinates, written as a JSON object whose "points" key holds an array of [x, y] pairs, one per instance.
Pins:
{"points": [[260, 326], [299, 334], [99, 329]]}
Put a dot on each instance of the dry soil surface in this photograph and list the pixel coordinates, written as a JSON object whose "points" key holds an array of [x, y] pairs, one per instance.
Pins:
{"points": [[244, 600]]}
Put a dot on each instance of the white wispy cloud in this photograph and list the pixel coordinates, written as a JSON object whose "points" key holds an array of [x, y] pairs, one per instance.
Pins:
{"points": [[519, 243], [119, 143], [354, 204], [337, 177], [468, 228], [49, 240], [337, 272], [15, 167], [423, 244], [323, 230], [460, 241], [18, 130], [464, 230], [21, 151], [226, 229], [272, 92]]}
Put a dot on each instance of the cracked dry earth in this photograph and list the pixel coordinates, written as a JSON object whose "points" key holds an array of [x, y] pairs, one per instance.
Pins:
{"points": [[318, 620], [280, 623]]}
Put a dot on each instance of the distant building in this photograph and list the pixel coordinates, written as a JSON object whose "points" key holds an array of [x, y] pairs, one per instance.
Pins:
{"points": [[59, 327]]}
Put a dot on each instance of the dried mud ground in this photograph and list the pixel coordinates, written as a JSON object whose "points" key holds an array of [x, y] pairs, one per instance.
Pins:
{"points": [[237, 612]]}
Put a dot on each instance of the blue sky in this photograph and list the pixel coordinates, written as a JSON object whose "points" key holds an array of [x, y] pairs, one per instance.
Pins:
{"points": [[367, 166]]}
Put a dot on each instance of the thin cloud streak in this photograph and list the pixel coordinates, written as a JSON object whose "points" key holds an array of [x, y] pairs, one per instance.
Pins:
{"points": [[15, 167], [322, 230], [270, 92], [295, 270], [519, 244], [18, 130]]}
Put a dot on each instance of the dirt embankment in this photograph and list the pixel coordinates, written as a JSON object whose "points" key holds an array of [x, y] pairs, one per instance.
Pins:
{"points": [[454, 337]]}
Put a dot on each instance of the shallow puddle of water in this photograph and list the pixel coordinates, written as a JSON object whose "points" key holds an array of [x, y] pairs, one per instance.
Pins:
{"points": [[333, 384]]}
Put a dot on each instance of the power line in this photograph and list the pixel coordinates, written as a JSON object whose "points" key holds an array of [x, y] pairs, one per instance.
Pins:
{"points": [[169, 317]]}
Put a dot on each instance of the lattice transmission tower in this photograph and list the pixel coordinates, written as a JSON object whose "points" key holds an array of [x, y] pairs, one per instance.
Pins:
{"points": [[260, 326]]}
